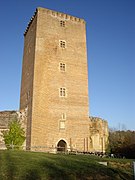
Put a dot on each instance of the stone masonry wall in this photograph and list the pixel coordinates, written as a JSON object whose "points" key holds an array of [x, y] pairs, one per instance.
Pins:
{"points": [[6, 117], [98, 129]]}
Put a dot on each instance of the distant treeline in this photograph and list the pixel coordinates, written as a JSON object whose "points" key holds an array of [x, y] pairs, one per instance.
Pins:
{"points": [[122, 143]]}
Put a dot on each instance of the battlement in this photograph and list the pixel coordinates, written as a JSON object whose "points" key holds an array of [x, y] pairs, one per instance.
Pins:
{"points": [[60, 15], [30, 22]]}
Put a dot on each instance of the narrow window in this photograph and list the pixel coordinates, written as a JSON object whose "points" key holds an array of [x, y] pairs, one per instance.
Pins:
{"points": [[28, 95], [62, 44], [63, 116], [62, 124], [62, 23], [62, 67], [62, 92]]}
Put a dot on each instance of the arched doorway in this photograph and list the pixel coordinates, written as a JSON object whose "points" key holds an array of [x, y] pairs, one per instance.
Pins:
{"points": [[62, 146]]}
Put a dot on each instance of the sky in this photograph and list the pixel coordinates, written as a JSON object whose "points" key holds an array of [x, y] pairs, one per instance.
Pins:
{"points": [[110, 28]]}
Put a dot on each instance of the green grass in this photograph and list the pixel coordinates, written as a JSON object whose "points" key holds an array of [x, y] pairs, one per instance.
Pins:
{"points": [[20, 165]]}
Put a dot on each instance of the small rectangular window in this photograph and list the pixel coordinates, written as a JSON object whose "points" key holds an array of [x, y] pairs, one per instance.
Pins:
{"points": [[62, 124], [62, 44], [62, 67], [62, 23], [62, 92]]}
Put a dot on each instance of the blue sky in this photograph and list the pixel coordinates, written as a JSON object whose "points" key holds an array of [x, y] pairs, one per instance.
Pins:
{"points": [[110, 46]]}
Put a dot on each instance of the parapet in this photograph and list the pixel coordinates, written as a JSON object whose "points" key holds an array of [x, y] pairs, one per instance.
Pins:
{"points": [[60, 15]]}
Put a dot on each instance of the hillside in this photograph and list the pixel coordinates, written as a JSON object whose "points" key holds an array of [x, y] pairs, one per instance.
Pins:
{"points": [[22, 165]]}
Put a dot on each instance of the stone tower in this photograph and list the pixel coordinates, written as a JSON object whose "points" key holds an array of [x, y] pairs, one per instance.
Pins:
{"points": [[54, 86]]}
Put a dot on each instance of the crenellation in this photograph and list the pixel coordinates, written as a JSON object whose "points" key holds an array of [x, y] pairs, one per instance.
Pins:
{"points": [[30, 22], [55, 14]]}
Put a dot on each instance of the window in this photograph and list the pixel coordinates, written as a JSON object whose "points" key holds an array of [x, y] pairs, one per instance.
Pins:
{"points": [[62, 23], [63, 116], [62, 44], [62, 92], [62, 67], [62, 124], [28, 95]]}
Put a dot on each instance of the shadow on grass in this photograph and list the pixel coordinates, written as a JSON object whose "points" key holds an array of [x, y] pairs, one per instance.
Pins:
{"points": [[9, 167], [71, 169], [39, 166], [31, 174], [56, 172]]}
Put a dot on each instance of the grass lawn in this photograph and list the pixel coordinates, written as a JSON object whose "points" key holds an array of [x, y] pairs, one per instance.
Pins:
{"points": [[22, 165]]}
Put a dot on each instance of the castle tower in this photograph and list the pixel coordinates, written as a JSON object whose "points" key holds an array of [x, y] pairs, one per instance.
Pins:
{"points": [[54, 85]]}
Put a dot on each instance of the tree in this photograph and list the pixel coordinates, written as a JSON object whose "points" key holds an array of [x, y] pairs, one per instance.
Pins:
{"points": [[122, 143], [15, 136]]}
